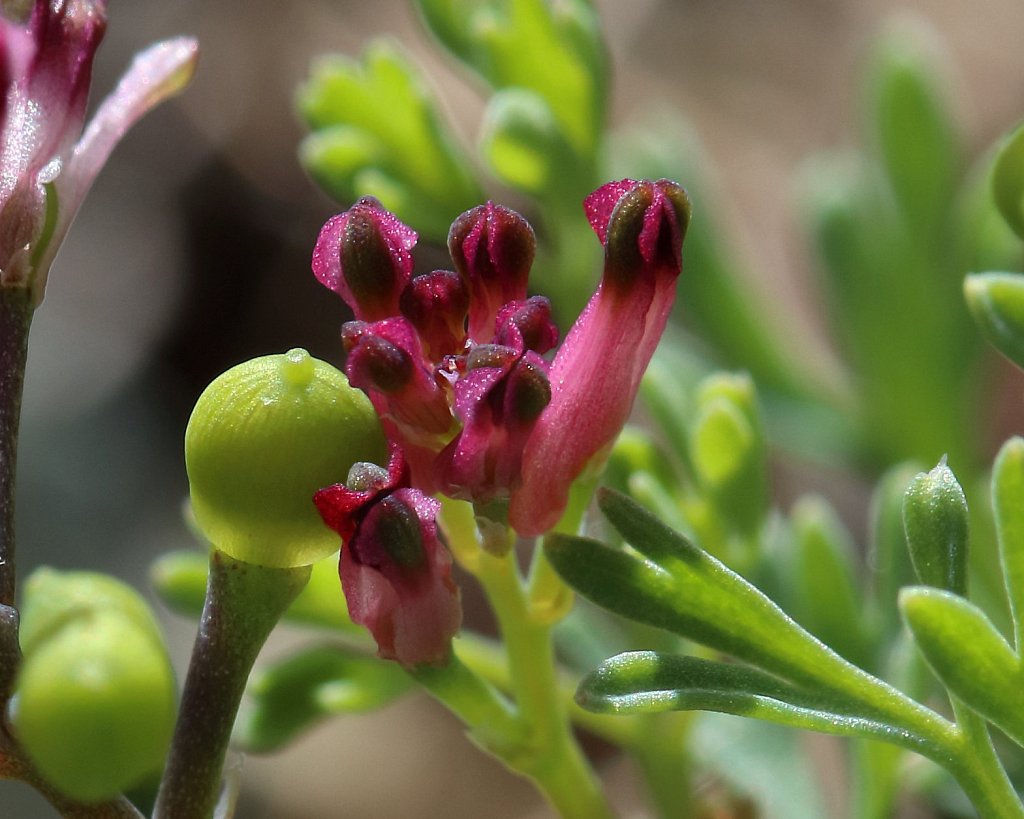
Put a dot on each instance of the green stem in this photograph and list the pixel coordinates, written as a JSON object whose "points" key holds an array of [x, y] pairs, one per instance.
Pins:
{"points": [[978, 770], [663, 757], [554, 759], [15, 319], [243, 604]]}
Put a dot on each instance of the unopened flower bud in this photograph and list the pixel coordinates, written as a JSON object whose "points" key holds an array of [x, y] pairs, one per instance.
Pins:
{"points": [[436, 304], [364, 256], [527, 325], [263, 438], [492, 248], [936, 523]]}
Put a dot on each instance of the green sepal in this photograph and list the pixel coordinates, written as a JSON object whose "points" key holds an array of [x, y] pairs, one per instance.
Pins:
{"points": [[649, 682], [1008, 180], [295, 694], [829, 603], [996, 301], [1008, 506], [968, 655], [375, 130], [935, 518]]}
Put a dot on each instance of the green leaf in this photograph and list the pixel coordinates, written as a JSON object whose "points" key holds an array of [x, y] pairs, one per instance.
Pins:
{"points": [[679, 587], [888, 555], [297, 693], [916, 136], [522, 143], [1008, 505], [996, 301], [968, 655], [375, 130], [552, 49], [646, 682], [1008, 180], [936, 523], [829, 602]]}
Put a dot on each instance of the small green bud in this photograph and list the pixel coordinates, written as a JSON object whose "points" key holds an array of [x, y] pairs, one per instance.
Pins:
{"points": [[935, 520], [996, 300], [54, 598], [1008, 181], [94, 701], [263, 438]]}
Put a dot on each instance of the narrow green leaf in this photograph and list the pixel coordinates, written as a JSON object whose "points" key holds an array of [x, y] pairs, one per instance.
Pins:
{"points": [[830, 604], [888, 556], [645, 682], [936, 523], [1008, 180], [996, 301], [297, 693], [914, 128], [1008, 505], [968, 655]]}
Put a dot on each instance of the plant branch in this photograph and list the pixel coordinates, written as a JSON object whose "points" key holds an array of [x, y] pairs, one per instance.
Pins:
{"points": [[243, 604], [15, 319]]}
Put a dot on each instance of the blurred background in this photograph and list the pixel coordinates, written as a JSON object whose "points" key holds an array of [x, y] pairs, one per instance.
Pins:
{"points": [[192, 254]]}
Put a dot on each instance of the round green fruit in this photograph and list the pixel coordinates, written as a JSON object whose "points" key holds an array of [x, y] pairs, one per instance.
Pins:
{"points": [[263, 438], [94, 706]]}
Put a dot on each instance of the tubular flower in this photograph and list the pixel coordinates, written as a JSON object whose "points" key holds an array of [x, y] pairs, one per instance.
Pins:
{"points": [[46, 163], [395, 573], [459, 378]]}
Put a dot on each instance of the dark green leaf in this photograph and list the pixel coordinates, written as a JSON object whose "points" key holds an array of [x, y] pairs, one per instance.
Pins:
{"points": [[644, 682]]}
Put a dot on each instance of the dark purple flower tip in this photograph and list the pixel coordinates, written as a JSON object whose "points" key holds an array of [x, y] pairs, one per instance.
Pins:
{"points": [[342, 506], [641, 224], [386, 360], [492, 248], [527, 391], [527, 325], [374, 362], [364, 256], [436, 304]]}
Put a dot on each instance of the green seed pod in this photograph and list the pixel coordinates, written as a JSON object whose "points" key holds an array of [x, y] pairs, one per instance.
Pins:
{"points": [[54, 598], [94, 705], [935, 520], [263, 438]]}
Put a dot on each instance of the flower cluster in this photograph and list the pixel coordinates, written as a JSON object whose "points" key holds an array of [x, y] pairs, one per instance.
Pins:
{"points": [[48, 163], [455, 361]]}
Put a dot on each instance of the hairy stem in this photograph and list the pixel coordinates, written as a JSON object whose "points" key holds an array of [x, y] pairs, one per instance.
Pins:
{"points": [[15, 319], [243, 604]]}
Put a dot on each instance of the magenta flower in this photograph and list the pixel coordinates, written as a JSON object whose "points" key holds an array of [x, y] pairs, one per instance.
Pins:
{"points": [[459, 378], [395, 573], [46, 163]]}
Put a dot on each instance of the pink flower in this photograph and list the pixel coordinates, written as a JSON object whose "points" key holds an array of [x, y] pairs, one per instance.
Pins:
{"points": [[596, 373], [395, 573], [459, 379], [47, 164]]}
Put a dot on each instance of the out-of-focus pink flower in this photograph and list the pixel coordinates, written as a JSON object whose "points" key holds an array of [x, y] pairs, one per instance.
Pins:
{"points": [[596, 373], [395, 572], [459, 379], [46, 163]]}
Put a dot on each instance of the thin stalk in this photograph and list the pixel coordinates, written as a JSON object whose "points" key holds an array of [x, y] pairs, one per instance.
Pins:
{"points": [[243, 604], [556, 762], [662, 754], [978, 770], [15, 320]]}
